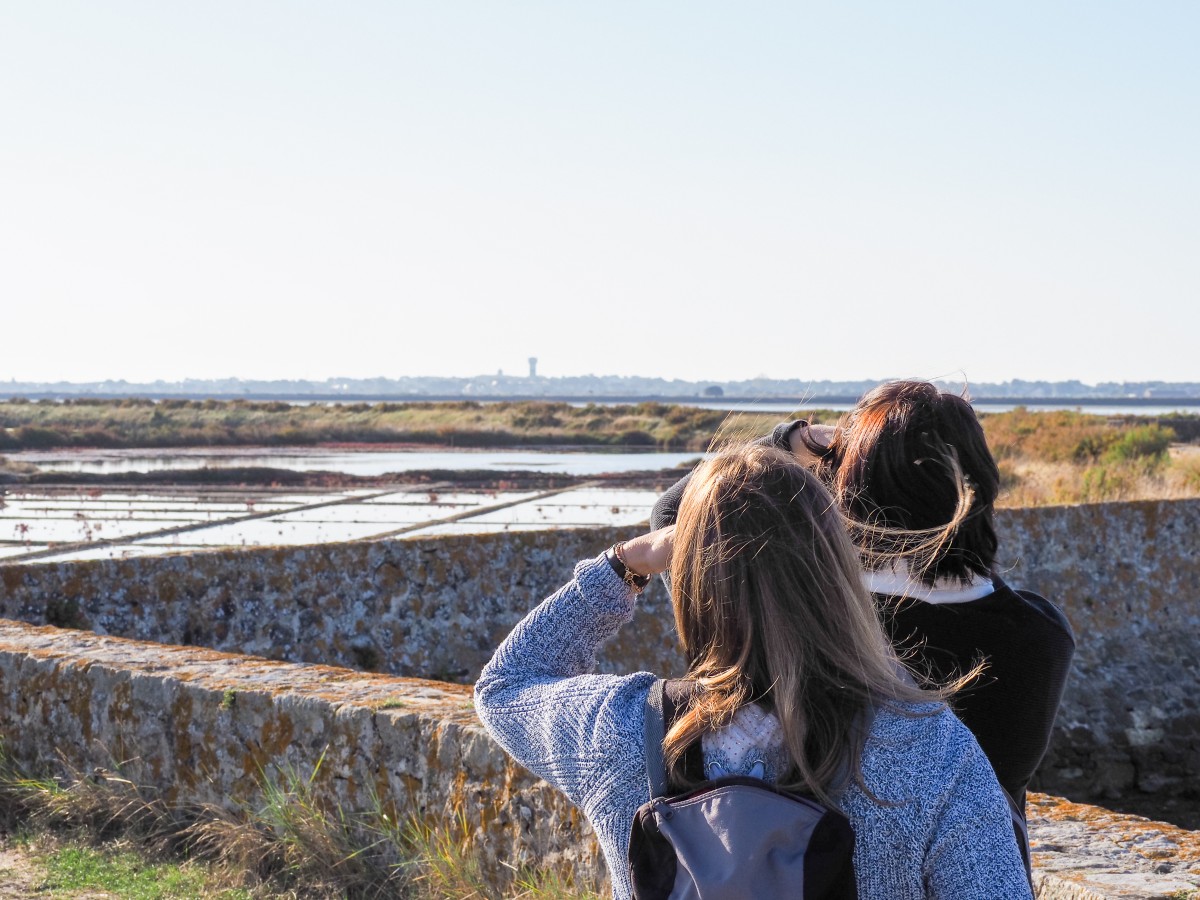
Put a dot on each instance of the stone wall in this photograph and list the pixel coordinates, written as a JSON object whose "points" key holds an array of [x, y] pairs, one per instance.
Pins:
{"points": [[433, 608], [199, 726], [203, 727], [1128, 576], [1082, 852]]}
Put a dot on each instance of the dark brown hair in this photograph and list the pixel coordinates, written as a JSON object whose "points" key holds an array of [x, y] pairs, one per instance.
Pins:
{"points": [[911, 457]]}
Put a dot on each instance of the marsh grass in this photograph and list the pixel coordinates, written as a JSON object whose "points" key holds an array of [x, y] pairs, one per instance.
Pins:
{"points": [[290, 845], [99, 833], [1069, 457], [1046, 457], [1173, 475], [184, 423], [1067, 436], [9, 467], [449, 868]]}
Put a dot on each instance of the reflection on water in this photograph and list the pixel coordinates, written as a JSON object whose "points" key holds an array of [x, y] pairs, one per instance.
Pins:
{"points": [[59, 525], [361, 462]]}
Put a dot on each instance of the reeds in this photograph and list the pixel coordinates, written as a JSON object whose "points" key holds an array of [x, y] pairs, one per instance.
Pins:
{"points": [[1026, 482], [289, 845], [174, 423]]}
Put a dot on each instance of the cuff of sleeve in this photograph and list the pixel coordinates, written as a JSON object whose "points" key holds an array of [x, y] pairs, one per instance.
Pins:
{"points": [[781, 437], [602, 588]]}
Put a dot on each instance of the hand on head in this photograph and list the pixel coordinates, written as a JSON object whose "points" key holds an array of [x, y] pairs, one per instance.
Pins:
{"points": [[650, 553]]}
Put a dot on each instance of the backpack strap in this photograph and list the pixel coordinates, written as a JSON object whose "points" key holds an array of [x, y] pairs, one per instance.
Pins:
{"points": [[664, 703], [653, 731], [1021, 831]]}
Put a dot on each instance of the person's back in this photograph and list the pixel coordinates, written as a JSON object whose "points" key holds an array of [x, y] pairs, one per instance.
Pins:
{"points": [[912, 460], [1026, 645], [792, 661], [934, 803], [947, 803]]}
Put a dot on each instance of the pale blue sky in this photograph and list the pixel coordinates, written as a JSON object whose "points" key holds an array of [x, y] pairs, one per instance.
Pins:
{"points": [[686, 190]]}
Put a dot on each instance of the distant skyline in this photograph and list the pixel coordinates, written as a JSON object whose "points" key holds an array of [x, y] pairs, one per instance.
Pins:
{"points": [[580, 387], [695, 191]]}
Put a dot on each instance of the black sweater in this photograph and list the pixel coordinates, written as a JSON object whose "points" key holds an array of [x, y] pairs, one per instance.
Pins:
{"points": [[1024, 639], [1026, 643]]}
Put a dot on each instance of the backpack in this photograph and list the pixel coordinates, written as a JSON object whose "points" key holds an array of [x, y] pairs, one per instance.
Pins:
{"points": [[732, 838]]}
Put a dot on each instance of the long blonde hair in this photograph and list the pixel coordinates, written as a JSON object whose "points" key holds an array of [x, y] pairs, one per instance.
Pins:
{"points": [[770, 608]]}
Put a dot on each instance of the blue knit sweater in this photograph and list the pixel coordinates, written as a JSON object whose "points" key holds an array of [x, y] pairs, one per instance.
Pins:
{"points": [[944, 832]]}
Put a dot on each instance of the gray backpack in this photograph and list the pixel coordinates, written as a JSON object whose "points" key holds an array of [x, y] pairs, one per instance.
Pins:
{"points": [[732, 838]]}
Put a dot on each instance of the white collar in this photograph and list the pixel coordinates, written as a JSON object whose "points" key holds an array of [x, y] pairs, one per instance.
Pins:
{"points": [[897, 582]]}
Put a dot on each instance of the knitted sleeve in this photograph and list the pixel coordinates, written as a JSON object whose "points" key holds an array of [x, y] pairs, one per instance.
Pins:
{"points": [[974, 852], [580, 732]]}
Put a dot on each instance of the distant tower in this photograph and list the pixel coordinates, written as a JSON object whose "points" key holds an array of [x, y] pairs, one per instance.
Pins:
{"points": [[533, 367]]}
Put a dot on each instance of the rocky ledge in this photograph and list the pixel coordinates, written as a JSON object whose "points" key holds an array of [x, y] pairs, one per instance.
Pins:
{"points": [[199, 726]]}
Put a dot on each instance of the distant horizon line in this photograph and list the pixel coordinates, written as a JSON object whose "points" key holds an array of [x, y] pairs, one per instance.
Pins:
{"points": [[589, 389], [1057, 402], [341, 383]]}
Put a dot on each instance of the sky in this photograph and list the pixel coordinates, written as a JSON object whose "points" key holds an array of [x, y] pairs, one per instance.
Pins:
{"points": [[694, 190]]}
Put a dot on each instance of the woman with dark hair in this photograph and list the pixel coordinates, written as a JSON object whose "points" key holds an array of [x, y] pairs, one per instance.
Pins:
{"points": [[910, 467], [792, 680]]}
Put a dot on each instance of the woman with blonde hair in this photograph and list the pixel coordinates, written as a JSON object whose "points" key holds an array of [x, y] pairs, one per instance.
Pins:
{"points": [[792, 681]]}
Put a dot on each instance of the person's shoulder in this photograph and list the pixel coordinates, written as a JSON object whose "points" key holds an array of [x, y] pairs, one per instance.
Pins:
{"points": [[1037, 607], [901, 717], [913, 751], [902, 728]]}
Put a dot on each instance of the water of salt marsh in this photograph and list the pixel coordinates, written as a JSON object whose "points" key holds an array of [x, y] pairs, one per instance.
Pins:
{"points": [[357, 462], [58, 524]]}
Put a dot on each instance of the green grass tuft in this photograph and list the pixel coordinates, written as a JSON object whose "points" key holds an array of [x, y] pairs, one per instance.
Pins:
{"points": [[128, 874]]}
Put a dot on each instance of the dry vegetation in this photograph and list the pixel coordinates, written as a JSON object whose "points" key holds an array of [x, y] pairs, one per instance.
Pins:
{"points": [[1070, 457], [289, 846], [1045, 457], [203, 423]]}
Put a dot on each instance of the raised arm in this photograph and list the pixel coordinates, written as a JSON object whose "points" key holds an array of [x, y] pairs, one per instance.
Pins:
{"points": [[537, 695]]}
